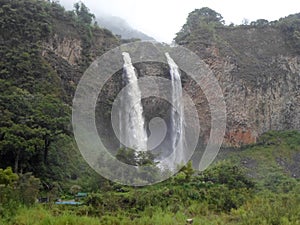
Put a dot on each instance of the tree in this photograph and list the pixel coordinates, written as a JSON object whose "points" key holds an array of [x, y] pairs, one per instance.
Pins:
{"points": [[29, 187], [127, 155], [185, 173], [29, 124], [53, 116], [203, 16], [226, 173], [204, 19], [146, 169], [245, 21], [136, 158], [19, 144], [188, 170], [83, 13], [260, 23], [7, 176], [208, 15], [290, 27]]}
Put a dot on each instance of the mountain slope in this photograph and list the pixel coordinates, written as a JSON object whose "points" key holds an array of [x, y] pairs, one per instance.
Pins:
{"points": [[44, 51], [258, 68], [120, 27]]}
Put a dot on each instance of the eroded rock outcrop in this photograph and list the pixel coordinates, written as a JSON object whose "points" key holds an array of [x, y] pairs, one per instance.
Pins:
{"points": [[259, 75], [68, 48]]}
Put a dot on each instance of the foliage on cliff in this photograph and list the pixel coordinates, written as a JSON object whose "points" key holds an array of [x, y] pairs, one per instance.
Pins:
{"points": [[257, 65], [201, 21], [207, 27], [37, 83]]}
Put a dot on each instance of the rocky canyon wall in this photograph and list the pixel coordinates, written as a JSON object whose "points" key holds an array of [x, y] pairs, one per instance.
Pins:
{"points": [[259, 76]]}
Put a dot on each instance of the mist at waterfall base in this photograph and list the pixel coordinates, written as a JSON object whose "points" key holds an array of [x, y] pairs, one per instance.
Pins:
{"points": [[165, 139]]}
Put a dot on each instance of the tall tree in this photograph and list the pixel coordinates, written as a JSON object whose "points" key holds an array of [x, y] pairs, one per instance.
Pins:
{"points": [[204, 19], [83, 13], [29, 124]]}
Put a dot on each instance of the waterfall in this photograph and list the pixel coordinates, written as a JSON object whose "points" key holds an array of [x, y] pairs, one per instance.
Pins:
{"points": [[177, 116], [132, 123], [132, 130]]}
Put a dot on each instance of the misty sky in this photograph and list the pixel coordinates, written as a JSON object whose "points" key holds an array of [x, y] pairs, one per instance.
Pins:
{"points": [[162, 19]]}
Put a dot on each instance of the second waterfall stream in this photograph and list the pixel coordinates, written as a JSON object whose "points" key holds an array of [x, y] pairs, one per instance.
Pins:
{"points": [[177, 116]]}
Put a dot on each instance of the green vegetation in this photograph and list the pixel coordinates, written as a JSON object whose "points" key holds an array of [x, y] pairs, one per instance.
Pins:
{"points": [[205, 26], [235, 190], [257, 184], [132, 157], [290, 26], [202, 21], [272, 160], [37, 85]]}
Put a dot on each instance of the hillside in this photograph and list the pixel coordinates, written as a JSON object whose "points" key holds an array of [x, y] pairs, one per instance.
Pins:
{"points": [[120, 27], [258, 68], [255, 185], [44, 51]]}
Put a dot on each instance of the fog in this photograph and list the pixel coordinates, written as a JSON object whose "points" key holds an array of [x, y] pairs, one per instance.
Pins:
{"points": [[162, 19]]}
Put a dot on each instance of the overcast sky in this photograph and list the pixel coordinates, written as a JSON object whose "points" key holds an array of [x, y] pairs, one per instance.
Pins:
{"points": [[162, 19]]}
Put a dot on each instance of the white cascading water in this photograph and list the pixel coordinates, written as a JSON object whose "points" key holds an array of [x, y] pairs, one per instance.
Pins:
{"points": [[132, 128], [177, 116]]}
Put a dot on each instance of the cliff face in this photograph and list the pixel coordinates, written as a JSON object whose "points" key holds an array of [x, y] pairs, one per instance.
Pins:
{"points": [[42, 42], [67, 48], [259, 73], [257, 68], [44, 51], [69, 54]]}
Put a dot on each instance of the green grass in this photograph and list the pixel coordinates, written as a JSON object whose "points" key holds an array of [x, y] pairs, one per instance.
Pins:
{"points": [[271, 155], [248, 186], [41, 216], [264, 209]]}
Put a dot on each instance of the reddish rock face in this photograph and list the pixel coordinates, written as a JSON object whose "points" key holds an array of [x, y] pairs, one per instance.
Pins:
{"points": [[239, 137]]}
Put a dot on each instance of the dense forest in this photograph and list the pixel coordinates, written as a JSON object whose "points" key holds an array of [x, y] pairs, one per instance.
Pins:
{"points": [[44, 50]]}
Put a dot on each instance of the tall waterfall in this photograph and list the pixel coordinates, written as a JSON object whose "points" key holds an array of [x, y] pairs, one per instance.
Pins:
{"points": [[132, 122], [177, 115]]}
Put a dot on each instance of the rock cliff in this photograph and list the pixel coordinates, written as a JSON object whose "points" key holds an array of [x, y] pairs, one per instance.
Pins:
{"points": [[258, 68]]}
